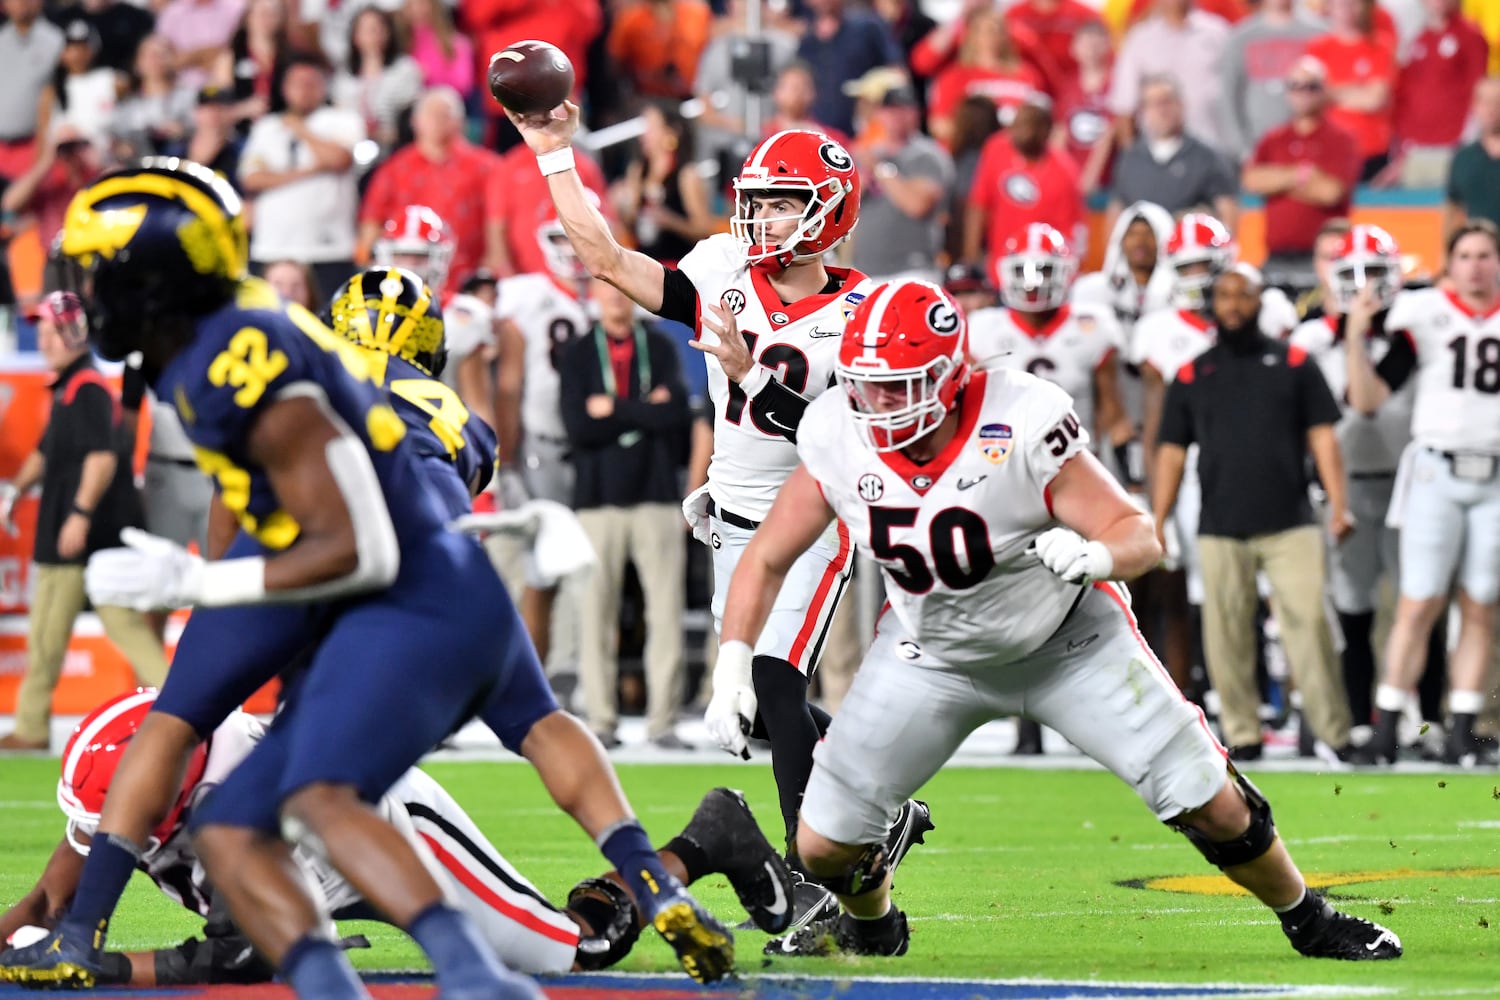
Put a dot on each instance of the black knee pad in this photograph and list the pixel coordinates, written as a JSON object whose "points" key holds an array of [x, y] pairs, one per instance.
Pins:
{"points": [[866, 874], [610, 911], [1253, 843]]}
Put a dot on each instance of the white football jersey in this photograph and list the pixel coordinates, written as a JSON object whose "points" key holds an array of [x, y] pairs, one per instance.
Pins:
{"points": [[1169, 338], [951, 535], [549, 317], [1128, 300], [798, 342], [1369, 444], [1457, 406], [1067, 352]]}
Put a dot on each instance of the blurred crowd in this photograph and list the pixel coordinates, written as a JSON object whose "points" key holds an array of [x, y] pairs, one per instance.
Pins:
{"points": [[361, 130]]}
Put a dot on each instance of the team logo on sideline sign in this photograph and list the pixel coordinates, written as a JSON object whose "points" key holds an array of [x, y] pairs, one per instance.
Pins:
{"points": [[995, 441]]}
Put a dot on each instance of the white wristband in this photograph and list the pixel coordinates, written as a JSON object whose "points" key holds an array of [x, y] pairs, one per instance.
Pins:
{"points": [[755, 380], [555, 162], [233, 581]]}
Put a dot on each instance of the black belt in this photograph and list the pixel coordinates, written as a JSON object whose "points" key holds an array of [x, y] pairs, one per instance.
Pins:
{"points": [[729, 517], [1373, 475], [181, 463], [1451, 455]]}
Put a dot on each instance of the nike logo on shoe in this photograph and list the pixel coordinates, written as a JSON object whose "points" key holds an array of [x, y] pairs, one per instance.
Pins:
{"points": [[1386, 937], [777, 906]]}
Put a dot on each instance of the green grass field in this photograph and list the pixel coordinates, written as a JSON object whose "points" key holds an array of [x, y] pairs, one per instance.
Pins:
{"points": [[1022, 878]]}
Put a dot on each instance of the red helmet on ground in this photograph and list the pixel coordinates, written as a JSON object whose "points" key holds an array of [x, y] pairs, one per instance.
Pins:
{"points": [[1035, 269], [810, 166], [1367, 256], [93, 753], [419, 240], [1199, 250], [903, 361]]}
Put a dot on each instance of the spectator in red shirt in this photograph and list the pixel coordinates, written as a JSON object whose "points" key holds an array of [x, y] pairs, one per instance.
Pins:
{"points": [[939, 49], [1448, 58], [989, 66], [1020, 180], [1306, 170], [571, 25], [1056, 23], [444, 171], [518, 203], [1084, 123], [1361, 67]]}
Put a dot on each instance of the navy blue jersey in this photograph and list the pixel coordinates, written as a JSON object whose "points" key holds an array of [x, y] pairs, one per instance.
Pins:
{"points": [[438, 424], [244, 358]]}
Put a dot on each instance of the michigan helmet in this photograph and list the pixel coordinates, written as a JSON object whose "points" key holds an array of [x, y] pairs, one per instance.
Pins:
{"points": [[393, 310], [903, 361], [812, 167], [93, 754], [149, 248]]}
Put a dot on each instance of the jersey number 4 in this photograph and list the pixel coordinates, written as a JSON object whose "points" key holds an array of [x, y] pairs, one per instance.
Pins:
{"points": [[793, 365], [448, 413], [1485, 374], [949, 529]]}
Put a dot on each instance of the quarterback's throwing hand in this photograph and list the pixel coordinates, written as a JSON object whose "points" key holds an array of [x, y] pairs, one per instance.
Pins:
{"points": [[1072, 557], [731, 711]]}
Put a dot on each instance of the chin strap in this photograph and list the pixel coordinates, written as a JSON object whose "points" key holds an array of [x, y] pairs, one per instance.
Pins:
{"points": [[775, 262]]}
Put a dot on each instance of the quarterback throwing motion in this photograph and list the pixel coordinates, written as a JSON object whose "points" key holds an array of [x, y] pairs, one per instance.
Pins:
{"points": [[1000, 537]]}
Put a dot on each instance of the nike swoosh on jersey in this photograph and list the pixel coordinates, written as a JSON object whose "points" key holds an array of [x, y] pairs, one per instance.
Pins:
{"points": [[777, 906], [964, 484]]}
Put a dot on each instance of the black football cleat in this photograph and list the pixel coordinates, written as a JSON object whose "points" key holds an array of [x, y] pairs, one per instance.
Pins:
{"points": [[913, 824], [841, 934], [1331, 934], [725, 828], [1028, 739]]}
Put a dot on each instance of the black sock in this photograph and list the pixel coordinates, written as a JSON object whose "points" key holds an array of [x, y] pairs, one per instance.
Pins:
{"points": [[791, 729], [1461, 730], [1310, 907], [1359, 663], [692, 856], [1435, 674], [1387, 730]]}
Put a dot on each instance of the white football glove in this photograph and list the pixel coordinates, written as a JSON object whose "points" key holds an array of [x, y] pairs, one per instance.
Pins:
{"points": [[150, 573], [561, 548], [519, 523], [510, 489], [731, 711], [695, 511], [8, 497], [1073, 558]]}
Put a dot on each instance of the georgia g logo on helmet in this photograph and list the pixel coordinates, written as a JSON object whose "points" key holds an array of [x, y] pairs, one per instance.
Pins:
{"points": [[835, 156], [942, 318]]}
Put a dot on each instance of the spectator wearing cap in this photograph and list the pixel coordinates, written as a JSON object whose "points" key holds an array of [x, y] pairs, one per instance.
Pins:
{"points": [[1306, 171], [82, 92], [1360, 74], [199, 31], [1258, 409], [625, 407], [1084, 127], [121, 27], [298, 166], [1473, 189], [1259, 54], [1184, 42], [214, 139], [970, 287], [29, 50], [68, 163], [1168, 167], [88, 496], [842, 43], [155, 111], [1021, 179], [1448, 58], [908, 178], [988, 65]]}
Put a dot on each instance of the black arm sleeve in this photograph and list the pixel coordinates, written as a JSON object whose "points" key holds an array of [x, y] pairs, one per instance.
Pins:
{"points": [[1399, 362], [782, 408], [679, 299]]}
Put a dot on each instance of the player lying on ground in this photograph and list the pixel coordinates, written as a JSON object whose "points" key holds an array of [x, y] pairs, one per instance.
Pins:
{"points": [[595, 930], [274, 397], [996, 530]]}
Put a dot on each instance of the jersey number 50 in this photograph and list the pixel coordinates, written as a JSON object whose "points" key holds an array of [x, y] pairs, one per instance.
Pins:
{"points": [[947, 529]]}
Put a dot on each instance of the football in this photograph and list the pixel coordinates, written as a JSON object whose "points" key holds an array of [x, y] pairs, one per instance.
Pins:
{"points": [[530, 77]]}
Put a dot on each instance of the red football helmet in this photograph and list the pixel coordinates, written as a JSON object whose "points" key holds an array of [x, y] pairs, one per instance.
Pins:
{"points": [[91, 756], [1367, 256], [1199, 250], [1035, 269], [903, 361], [562, 260], [809, 165], [418, 240]]}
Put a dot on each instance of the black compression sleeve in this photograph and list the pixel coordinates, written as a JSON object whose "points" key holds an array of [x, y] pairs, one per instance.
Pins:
{"points": [[1399, 362], [781, 407], [679, 299]]}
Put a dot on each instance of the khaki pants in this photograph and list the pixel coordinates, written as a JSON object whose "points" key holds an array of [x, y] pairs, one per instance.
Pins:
{"points": [[1293, 561], [653, 537], [58, 600]]}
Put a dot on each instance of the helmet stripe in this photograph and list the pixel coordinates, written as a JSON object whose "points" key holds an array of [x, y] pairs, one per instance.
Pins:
{"points": [[883, 296], [143, 697], [765, 147]]}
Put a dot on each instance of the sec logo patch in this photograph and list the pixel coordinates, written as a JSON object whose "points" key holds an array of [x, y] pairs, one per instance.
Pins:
{"points": [[870, 488], [734, 301]]}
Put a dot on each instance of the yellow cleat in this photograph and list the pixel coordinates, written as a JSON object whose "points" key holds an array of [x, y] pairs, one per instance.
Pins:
{"points": [[704, 947]]}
